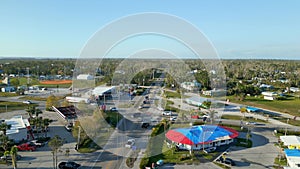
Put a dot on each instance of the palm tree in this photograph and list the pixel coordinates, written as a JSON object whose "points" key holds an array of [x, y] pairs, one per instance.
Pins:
{"points": [[4, 127], [55, 143], [45, 125], [5, 142], [14, 153], [30, 110], [6, 153]]}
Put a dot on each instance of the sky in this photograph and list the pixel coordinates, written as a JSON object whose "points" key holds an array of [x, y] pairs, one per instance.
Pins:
{"points": [[237, 29]]}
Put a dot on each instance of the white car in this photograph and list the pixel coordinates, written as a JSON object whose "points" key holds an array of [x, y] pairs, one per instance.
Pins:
{"points": [[130, 143], [173, 118], [167, 113], [251, 123], [27, 102]]}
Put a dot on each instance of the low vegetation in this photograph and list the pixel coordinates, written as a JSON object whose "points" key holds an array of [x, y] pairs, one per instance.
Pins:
{"points": [[6, 106]]}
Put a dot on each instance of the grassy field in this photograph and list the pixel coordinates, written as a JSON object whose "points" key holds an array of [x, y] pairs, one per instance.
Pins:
{"points": [[36, 98], [11, 106], [290, 106], [34, 81], [247, 118], [7, 94]]}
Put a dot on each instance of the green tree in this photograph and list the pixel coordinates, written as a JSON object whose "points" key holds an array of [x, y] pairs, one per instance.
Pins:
{"points": [[55, 143], [51, 101], [6, 153], [4, 127], [14, 153], [5, 142], [15, 82]]}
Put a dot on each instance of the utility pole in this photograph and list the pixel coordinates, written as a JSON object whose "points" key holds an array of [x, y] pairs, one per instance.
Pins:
{"points": [[78, 137], [28, 80], [287, 121]]}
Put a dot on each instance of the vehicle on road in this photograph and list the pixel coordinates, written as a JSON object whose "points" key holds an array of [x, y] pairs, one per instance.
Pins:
{"points": [[166, 113], [26, 147], [27, 102], [113, 109], [68, 165], [130, 143], [251, 123], [9, 158]]}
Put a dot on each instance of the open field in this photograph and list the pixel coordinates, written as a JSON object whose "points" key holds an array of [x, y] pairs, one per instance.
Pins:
{"points": [[55, 82], [290, 106]]}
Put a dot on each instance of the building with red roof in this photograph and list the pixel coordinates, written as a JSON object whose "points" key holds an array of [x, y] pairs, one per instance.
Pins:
{"points": [[199, 137]]}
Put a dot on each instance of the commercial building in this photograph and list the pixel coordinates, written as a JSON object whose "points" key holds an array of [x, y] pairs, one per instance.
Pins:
{"points": [[191, 86], [201, 137], [292, 142], [293, 158], [19, 128], [196, 101]]}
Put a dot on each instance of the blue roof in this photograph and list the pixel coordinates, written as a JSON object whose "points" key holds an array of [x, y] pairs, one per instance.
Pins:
{"points": [[251, 108], [292, 152], [205, 133]]}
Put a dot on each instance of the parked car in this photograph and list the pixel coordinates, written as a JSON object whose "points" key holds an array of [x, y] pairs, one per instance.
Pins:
{"points": [[209, 150], [195, 117], [37, 143], [130, 143], [167, 113], [26, 147], [173, 118], [229, 161], [145, 125], [69, 127], [27, 102], [9, 158], [68, 165]]}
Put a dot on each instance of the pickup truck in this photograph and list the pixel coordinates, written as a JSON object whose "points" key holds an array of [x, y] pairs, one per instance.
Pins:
{"points": [[26, 147]]}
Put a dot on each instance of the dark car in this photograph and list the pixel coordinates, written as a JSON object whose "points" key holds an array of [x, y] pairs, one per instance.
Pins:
{"points": [[229, 162], [145, 125], [68, 165], [69, 127], [8, 157]]}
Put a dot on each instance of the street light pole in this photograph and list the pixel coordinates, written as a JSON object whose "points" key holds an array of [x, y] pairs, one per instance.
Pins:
{"points": [[78, 137], [287, 121]]}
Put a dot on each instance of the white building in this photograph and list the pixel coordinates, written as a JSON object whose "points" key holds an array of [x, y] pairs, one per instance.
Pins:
{"points": [[292, 142], [293, 158], [18, 130], [85, 77], [294, 89], [191, 86], [269, 95]]}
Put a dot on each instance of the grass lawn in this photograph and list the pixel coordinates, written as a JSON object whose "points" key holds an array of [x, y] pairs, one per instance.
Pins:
{"points": [[36, 98], [247, 118], [290, 106], [11, 106], [7, 94], [170, 94]]}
